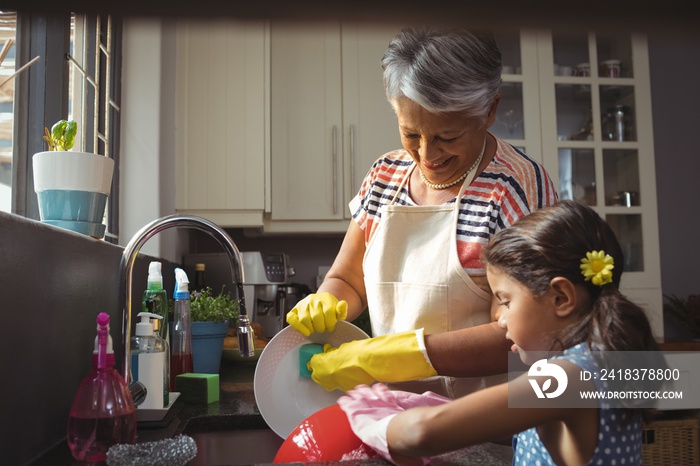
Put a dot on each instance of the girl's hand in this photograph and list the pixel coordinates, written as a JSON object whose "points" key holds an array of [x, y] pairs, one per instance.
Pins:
{"points": [[370, 409]]}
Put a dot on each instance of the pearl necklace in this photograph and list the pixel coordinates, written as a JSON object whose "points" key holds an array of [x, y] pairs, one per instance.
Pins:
{"points": [[458, 180]]}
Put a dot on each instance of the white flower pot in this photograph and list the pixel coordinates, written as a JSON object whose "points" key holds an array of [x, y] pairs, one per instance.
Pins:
{"points": [[72, 189]]}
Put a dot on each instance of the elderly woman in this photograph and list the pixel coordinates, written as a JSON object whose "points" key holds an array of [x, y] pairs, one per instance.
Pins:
{"points": [[421, 219]]}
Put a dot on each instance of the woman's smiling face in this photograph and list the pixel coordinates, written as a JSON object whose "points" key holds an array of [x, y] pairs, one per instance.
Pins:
{"points": [[443, 146]]}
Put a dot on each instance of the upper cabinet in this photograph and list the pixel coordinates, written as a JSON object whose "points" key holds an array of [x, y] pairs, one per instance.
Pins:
{"points": [[221, 121], [593, 114], [329, 120]]}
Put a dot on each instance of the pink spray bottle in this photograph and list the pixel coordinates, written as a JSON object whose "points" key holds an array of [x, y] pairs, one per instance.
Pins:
{"points": [[103, 411]]}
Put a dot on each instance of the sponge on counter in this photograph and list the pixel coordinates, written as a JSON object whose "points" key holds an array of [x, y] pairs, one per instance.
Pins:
{"points": [[198, 388], [305, 353]]}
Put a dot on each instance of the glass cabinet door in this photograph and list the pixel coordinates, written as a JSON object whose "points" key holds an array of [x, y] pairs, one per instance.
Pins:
{"points": [[589, 86], [517, 118], [509, 122], [580, 103]]}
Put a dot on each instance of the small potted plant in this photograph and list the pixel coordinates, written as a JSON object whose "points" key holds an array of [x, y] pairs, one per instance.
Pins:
{"points": [[211, 317], [72, 187]]}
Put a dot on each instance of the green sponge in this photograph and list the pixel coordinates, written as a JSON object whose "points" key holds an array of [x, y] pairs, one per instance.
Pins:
{"points": [[198, 388], [305, 353]]}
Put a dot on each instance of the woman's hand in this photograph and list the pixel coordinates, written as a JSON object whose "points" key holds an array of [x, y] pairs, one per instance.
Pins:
{"points": [[316, 313], [387, 358]]}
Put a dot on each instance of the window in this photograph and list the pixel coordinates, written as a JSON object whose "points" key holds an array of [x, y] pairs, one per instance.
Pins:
{"points": [[8, 23], [75, 74]]}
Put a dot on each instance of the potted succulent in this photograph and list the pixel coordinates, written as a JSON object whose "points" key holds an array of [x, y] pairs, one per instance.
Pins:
{"points": [[211, 317], [72, 187]]}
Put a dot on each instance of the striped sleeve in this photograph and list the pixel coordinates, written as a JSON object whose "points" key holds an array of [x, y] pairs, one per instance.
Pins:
{"points": [[524, 184], [512, 186], [379, 187]]}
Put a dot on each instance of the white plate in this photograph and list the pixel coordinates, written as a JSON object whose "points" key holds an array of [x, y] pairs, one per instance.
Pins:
{"points": [[285, 398]]}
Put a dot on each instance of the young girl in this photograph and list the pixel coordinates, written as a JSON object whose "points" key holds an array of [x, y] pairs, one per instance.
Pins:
{"points": [[555, 274]]}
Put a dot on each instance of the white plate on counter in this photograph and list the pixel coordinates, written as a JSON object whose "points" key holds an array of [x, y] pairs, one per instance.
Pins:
{"points": [[285, 398]]}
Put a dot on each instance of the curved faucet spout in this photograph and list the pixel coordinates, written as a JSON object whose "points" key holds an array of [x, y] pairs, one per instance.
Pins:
{"points": [[245, 332]]}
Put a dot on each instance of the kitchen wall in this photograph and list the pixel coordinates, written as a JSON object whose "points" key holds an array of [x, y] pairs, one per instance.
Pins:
{"points": [[147, 163], [54, 283], [675, 66], [306, 252]]}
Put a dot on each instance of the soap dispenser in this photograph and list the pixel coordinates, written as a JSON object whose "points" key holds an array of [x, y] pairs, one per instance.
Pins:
{"points": [[181, 361], [155, 299], [150, 362], [102, 413]]}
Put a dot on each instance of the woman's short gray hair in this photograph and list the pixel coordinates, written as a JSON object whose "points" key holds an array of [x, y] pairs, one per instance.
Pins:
{"points": [[443, 70]]}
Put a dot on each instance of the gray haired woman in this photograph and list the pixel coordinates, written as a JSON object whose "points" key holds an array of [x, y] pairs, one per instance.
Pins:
{"points": [[412, 254]]}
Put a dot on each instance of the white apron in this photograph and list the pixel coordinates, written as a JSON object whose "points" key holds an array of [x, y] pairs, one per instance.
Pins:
{"points": [[414, 279]]}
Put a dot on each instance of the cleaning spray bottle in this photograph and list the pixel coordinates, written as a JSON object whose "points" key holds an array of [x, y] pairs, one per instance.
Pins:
{"points": [[150, 362], [181, 361], [103, 412], [155, 300]]}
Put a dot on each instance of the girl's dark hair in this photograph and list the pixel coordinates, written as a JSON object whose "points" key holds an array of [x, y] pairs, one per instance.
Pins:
{"points": [[550, 243]]}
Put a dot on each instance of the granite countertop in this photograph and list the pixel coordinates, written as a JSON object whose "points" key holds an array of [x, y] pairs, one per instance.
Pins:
{"points": [[237, 399]]}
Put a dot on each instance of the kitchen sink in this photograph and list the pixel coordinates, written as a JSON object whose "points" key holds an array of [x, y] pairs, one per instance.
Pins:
{"points": [[232, 440], [247, 439]]}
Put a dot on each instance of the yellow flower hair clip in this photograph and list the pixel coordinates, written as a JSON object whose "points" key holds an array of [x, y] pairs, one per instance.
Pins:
{"points": [[597, 267]]}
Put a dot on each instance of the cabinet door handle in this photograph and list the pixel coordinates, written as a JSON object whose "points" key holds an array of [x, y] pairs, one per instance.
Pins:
{"points": [[352, 160], [335, 169]]}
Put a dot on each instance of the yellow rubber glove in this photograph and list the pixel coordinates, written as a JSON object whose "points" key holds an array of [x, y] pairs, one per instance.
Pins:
{"points": [[316, 313], [390, 358]]}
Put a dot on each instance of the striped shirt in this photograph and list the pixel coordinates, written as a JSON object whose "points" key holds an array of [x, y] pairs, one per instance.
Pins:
{"points": [[510, 187]]}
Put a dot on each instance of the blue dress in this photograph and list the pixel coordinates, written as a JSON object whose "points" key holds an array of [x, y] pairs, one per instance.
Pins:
{"points": [[619, 431]]}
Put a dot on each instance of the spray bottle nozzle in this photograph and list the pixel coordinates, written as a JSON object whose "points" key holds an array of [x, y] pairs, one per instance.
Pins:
{"points": [[103, 344], [102, 320], [181, 285]]}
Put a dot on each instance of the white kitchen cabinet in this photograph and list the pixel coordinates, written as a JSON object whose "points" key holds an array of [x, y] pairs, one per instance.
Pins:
{"points": [[221, 125], [329, 120], [590, 124]]}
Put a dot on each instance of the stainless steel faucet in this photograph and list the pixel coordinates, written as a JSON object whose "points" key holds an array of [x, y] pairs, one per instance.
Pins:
{"points": [[246, 339]]}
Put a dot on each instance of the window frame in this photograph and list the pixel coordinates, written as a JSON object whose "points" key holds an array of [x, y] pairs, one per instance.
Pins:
{"points": [[42, 98]]}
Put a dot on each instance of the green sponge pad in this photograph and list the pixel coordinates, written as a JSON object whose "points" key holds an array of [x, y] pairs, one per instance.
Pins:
{"points": [[198, 388], [305, 353]]}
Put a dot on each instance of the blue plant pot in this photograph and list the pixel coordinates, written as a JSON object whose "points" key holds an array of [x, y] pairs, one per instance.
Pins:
{"points": [[208, 345], [70, 205]]}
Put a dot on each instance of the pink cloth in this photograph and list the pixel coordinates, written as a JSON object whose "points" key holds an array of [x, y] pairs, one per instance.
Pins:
{"points": [[370, 409]]}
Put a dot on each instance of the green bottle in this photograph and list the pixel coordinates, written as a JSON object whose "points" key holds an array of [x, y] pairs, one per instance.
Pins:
{"points": [[155, 300]]}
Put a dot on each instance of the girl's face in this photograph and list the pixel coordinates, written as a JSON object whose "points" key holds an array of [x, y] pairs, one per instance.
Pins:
{"points": [[531, 321], [443, 146]]}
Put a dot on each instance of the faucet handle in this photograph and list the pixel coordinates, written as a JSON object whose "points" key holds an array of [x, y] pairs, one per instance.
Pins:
{"points": [[246, 337]]}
